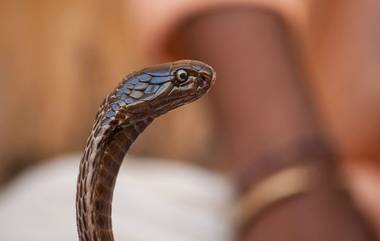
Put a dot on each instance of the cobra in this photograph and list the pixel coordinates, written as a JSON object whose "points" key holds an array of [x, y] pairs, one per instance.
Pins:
{"points": [[124, 114]]}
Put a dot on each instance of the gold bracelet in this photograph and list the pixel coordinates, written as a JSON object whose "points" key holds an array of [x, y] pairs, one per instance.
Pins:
{"points": [[282, 185]]}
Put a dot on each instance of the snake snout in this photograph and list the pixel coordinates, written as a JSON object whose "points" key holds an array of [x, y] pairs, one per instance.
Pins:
{"points": [[206, 78]]}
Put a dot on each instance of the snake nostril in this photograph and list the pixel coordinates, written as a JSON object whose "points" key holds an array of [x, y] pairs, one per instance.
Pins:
{"points": [[201, 81]]}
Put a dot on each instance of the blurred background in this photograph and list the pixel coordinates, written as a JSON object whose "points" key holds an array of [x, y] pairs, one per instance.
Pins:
{"points": [[58, 59]]}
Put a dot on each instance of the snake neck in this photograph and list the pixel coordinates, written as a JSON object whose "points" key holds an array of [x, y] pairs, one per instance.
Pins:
{"points": [[99, 166]]}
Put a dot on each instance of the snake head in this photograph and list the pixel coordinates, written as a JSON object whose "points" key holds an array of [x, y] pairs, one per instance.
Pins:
{"points": [[161, 88]]}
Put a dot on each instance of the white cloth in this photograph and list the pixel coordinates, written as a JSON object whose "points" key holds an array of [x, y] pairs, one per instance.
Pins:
{"points": [[154, 200]]}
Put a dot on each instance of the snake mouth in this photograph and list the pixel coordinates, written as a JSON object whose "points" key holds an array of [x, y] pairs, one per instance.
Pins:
{"points": [[172, 102]]}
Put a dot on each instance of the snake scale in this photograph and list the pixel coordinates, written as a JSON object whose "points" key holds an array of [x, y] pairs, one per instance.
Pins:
{"points": [[124, 114]]}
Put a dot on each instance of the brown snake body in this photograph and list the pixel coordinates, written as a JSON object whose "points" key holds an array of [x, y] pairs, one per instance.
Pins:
{"points": [[123, 115]]}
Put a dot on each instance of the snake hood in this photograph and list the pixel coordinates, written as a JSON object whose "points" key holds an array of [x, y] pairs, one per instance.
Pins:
{"points": [[161, 88]]}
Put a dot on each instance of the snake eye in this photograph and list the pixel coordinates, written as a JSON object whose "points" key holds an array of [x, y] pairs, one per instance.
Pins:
{"points": [[181, 75]]}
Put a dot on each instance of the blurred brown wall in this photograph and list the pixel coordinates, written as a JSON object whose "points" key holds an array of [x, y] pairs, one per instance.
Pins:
{"points": [[58, 59]]}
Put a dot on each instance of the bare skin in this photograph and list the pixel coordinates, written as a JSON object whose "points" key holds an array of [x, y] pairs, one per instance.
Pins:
{"points": [[262, 106]]}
